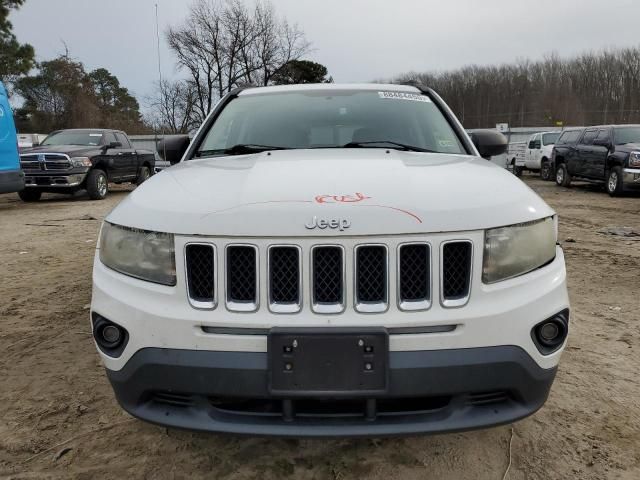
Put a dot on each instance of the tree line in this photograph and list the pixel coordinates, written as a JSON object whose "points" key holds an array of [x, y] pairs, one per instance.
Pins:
{"points": [[589, 89]]}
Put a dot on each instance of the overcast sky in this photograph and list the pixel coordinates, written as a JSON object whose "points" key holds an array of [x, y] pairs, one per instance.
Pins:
{"points": [[358, 40]]}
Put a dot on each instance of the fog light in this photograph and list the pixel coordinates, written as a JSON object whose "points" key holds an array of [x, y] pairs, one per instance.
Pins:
{"points": [[110, 337], [111, 334], [549, 331], [550, 334]]}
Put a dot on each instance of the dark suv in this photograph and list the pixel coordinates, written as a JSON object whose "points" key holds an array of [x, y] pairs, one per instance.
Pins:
{"points": [[606, 154]]}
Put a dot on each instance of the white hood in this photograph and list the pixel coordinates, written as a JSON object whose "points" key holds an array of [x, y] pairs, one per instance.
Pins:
{"points": [[378, 192]]}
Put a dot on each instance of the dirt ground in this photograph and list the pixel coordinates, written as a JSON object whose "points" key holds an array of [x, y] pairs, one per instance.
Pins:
{"points": [[59, 418]]}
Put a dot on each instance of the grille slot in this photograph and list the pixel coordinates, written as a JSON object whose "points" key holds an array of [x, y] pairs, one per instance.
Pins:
{"points": [[414, 274], [455, 278], [242, 278], [328, 279], [173, 399], [284, 279], [200, 263], [487, 398], [371, 278]]}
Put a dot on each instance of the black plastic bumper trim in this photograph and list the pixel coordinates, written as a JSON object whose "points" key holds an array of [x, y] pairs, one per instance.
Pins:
{"points": [[457, 374]]}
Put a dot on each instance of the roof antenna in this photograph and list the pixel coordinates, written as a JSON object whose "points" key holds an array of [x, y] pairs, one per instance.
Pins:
{"points": [[164, 144]]}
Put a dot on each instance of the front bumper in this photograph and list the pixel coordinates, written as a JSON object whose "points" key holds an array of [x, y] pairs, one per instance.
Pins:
{"points": [[428, 392], [11, 181], [631, 178], [55, 180]]}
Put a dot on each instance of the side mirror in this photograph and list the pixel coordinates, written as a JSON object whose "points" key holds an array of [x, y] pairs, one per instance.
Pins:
{"points": [[171, 149], [111, 145], [489, 143]]}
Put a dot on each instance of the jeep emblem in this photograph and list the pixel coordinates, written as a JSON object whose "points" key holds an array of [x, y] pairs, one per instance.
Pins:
{"points": [[334, 223]]}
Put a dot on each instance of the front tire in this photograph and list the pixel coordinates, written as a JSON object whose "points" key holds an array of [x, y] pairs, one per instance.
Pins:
{"points": [[143, 175], [614, 182], [563, 178], [545, 170], [28, 195], [97, 184]]}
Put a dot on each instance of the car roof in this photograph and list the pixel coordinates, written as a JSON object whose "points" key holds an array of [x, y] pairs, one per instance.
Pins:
{"points": [[330, 87]]}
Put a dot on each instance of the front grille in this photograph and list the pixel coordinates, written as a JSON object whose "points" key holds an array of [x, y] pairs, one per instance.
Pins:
{"points": [[51, 161], [371, 276], [456, 271], [242, 276], [413, 274], [284, 276], [328, 275], [328, 272], [200, 264], [172, 399]]}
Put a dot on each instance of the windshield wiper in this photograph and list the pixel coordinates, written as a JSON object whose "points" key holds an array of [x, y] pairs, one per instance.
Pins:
{"points": [[399, 146], [240, 149]]}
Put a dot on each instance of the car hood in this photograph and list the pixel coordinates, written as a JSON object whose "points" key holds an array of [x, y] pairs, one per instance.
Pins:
{"points": [[628, 147], [375, 191], [70, 150]]}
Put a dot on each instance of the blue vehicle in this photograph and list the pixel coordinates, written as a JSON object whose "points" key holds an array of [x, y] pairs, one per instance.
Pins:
{"points": [[11, 176]]}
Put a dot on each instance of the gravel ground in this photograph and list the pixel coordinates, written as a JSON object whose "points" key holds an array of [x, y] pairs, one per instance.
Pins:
{"points": [[60, 419]]}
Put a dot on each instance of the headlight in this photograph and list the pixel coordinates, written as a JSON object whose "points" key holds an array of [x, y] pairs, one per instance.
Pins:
{"points": [[80, 162], [518, 249], [139, 253], [634, 159]]}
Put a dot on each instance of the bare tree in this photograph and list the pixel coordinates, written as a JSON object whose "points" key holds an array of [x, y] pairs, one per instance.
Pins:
{"points": [[172, 106], [224, 44]]}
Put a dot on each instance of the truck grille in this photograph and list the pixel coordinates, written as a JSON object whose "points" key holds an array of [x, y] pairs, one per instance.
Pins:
{"points": [[44, 162], [325, 269]]}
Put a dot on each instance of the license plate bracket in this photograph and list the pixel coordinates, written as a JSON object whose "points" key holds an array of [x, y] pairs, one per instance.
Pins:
{"points": [[328, 361]]}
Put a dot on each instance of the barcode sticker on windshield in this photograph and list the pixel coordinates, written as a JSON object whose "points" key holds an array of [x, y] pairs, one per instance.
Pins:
{"points": [[95, 134], [415, 97]]}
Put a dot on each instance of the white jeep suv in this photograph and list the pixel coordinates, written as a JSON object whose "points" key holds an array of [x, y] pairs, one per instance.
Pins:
{"points": [[331, 260]]}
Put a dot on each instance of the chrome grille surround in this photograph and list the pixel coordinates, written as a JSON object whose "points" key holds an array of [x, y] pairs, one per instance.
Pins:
{"points": [[199, 303], [283, 307], [458, 300], [242, 305], [415, 304], [327, 307], [361, 305]]}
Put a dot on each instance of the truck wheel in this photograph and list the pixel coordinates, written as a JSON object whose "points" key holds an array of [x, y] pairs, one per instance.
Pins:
{"points": [[517, 171], [545, 170], [97, 184], [28, 195], [614, 182], [143, 175], [563, 178]]}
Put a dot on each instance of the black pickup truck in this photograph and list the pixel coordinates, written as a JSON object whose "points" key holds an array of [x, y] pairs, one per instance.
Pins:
{"points": [[71, 160], [609, 155]]}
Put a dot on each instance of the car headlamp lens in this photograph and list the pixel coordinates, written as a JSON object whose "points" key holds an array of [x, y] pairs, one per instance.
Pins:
{"points": [[80, 162], [634, 159], [518, 249], [138, 253]]}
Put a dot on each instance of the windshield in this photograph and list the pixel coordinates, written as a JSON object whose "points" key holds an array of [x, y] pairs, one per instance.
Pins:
{"points": [[627, 135], [550, 138], [87, 138], [330, 119]]}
